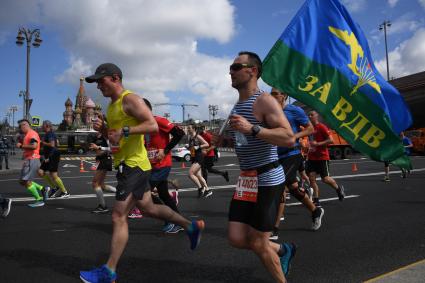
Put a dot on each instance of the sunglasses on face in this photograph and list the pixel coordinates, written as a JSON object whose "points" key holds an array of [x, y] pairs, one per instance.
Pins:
{"points": [[239, 66], [275, 93]]}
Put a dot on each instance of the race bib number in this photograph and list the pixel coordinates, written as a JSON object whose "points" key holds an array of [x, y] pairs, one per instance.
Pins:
{"points": [[247, 186], [152, 154]]}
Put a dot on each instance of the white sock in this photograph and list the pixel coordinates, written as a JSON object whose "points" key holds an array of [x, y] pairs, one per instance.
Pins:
{"points": [[99, 195], [110, 188]]}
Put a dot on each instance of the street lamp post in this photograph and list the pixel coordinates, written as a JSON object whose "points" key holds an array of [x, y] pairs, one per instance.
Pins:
{"points": [[13, 109], [22, 94], [384, 26], [212, 111], [30, 36]]}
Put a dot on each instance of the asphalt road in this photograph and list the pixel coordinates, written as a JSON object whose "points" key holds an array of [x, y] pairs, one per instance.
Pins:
{"points": [[378, 228]]}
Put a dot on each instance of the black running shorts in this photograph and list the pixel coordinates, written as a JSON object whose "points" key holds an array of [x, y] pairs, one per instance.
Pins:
{"points": [[302, 165], [52, 164], [290, 165], [132, 180], [321, 167], [260, 215], [105, 163]]}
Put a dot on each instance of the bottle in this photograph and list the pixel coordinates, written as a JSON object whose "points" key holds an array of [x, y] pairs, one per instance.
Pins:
{"points": [[240, 139]]}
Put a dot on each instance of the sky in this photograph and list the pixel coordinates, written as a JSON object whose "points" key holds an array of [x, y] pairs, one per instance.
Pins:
{"points": [[172, 51]]}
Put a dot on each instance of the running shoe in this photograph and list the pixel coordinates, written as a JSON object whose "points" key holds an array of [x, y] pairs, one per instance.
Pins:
{"points": [[64, 195], [200, 192], [98, 275], [316, 202], [175, 229], [403, 173], [100, 209], [317, 216], [38, 203], [386, 179], [341, 193], [194, 232], [45, 191], [226, 176], [285, 259], [207, 193], [55, 192], [135, 213], [309, 191], [274, 235], [167, 227], [7, 204]]}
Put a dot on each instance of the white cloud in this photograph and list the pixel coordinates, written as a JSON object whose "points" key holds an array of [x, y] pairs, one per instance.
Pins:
{"points": [[422, 2], [392, 3], [408, 58], [354, 6], [153, 42], [76, 69]]}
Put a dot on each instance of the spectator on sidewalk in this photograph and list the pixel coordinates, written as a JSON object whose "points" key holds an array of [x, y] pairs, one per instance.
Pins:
{"points": [[4, 152]]}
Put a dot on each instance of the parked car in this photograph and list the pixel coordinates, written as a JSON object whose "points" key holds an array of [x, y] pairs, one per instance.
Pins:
{"points": [[180, 152]]}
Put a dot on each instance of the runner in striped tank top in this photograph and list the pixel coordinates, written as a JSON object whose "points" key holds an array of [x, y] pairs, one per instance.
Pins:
{"points": [[257, 125]]}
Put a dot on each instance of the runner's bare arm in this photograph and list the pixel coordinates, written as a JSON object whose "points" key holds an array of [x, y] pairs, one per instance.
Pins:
{"points": [[203, 142], [266, 109], [133, 105], [308, 130]]}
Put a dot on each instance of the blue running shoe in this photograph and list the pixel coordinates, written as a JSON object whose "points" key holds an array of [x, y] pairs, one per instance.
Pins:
{"points": [[194, 232], [98, 275], [167, 227], [285, 259], [38, 203]]}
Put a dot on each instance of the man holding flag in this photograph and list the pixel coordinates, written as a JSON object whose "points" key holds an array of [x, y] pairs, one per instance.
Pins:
{"points": [[323, 59]]}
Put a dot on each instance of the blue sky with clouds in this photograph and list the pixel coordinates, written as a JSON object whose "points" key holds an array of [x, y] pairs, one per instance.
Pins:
{"points": [[172, 51]]}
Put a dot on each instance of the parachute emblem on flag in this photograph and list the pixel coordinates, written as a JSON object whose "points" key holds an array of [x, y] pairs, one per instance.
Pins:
{"points": [[359, 65]]}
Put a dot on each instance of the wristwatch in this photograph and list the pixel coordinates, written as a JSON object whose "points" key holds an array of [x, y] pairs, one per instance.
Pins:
{"points": [[255, 130], [126, 131]]}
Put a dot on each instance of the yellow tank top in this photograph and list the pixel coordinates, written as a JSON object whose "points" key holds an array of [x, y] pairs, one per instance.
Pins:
{"points": [[132, 149]]}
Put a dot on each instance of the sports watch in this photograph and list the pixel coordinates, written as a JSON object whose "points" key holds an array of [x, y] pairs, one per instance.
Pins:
{"points": [[255, 130], [126, 131]]}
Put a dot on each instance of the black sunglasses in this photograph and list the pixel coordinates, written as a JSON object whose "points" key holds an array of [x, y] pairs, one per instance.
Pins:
{"points": [[239, 66]]}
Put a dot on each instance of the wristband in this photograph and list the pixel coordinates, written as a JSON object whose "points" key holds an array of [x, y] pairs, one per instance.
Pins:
{"points": [[126, 131]]}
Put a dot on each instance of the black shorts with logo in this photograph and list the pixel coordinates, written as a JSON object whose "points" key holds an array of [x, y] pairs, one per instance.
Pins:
{"points": [[260, 215], [132, 180], [104, 162], [321, 167], [53, 162]]}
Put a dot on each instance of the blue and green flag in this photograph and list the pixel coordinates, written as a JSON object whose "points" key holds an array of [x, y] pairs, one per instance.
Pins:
{"points": [[323, 60]]}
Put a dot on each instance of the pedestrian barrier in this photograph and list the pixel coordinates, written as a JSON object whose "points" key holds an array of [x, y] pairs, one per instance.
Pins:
{"points": [[354, 167], [93, 167]]}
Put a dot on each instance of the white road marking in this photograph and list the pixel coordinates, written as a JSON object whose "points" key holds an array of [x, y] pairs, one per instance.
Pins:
{"points": [[324, 200]]}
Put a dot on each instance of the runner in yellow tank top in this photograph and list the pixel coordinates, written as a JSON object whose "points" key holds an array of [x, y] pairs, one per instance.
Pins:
{"points": [[131, 149], [128, 119]]}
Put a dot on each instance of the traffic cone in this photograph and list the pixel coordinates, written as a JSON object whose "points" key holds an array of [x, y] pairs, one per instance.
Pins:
{"points": [[82, 167], [183, 164], [354, 167]]}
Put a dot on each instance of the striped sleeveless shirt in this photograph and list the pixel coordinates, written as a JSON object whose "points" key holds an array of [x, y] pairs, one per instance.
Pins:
{"points": [[256, 152]]}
